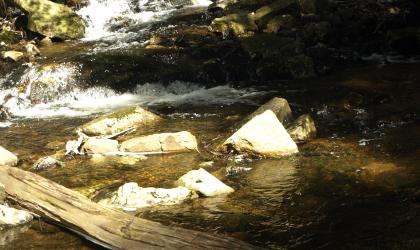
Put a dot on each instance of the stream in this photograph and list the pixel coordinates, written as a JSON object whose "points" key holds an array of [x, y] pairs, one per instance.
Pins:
{"points": [[356, 186]]}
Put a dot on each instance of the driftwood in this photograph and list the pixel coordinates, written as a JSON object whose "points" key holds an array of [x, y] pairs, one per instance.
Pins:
{"points": [[105, 226]]}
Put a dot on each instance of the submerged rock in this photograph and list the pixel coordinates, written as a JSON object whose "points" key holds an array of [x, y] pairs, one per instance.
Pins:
{"points": [[120, 120], [166, 142], [203, 182], [7, 158], [263, 135], [302, 129], [13, 55], [130, 196], [46, 163], [99, 146], [52, 19], [13, 217], [280, 108]]}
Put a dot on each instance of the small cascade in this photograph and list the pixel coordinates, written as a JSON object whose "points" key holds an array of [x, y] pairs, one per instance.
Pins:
{"points": [[123, 20], [58, 90]]}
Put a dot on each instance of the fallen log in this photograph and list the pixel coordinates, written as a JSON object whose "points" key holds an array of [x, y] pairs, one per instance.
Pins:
{"points": [[105, 226]]}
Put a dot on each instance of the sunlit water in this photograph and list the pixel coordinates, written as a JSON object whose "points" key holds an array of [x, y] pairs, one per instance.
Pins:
{"points": [[355, 186], [335, 194]]}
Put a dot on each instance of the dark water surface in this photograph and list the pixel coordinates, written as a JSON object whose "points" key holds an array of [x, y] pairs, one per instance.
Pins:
{"points": [[357, 186]]}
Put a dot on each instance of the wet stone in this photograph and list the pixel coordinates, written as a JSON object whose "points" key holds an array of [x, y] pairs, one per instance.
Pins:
{"points": [[7, 158], [130, 196], [263, 135], [203, 182]]}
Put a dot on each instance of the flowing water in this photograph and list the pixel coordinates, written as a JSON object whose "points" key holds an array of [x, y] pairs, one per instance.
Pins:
{"points": [[355, 186]]}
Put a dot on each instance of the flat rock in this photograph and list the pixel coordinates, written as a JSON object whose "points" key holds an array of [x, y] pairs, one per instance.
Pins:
{"points": [[203, 182], [99, 146], [7, 158], [263, 135], [120, 120], [130, 196], [13, 217], [166, 142], [302, 129]]}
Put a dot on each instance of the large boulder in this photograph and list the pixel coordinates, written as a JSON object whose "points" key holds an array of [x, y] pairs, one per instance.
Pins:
{"points": [[166, 142], [130, 196], [100, 146], [52, 19], [120, 120], [203, 182], [280, 108], [302, 129], [13, 217], [263, 135], [7, 158]]}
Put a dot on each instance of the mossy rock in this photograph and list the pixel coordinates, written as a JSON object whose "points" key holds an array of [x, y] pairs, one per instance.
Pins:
{"points": [[280, 22], [241, 24], [245, 5], [270, 45], [52, 19], [8, 36], [263, 14], [300, 66], [316, 32], [120, 120]]}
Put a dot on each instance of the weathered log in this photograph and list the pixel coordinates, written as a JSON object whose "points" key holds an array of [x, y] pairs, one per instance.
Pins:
{"points": [[105, 226]]}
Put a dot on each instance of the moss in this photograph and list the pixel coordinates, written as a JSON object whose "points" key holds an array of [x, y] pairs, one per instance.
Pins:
{"points": [[7, 36]]}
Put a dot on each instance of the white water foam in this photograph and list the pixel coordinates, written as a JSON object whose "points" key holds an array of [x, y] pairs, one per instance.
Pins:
{"points": [[82, 102], [116, 20], [56, 90]]}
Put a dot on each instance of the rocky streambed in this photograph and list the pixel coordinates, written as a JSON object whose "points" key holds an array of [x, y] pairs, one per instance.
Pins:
{"points": [[361, 167], [157, 100]]}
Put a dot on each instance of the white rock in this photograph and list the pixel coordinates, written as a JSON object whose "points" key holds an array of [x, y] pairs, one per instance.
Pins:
{"points": [[130, 196], [165, 142], [7, 158], [99, 145], [14, 55], [263, 135], [13, 217], [203, 182]]}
